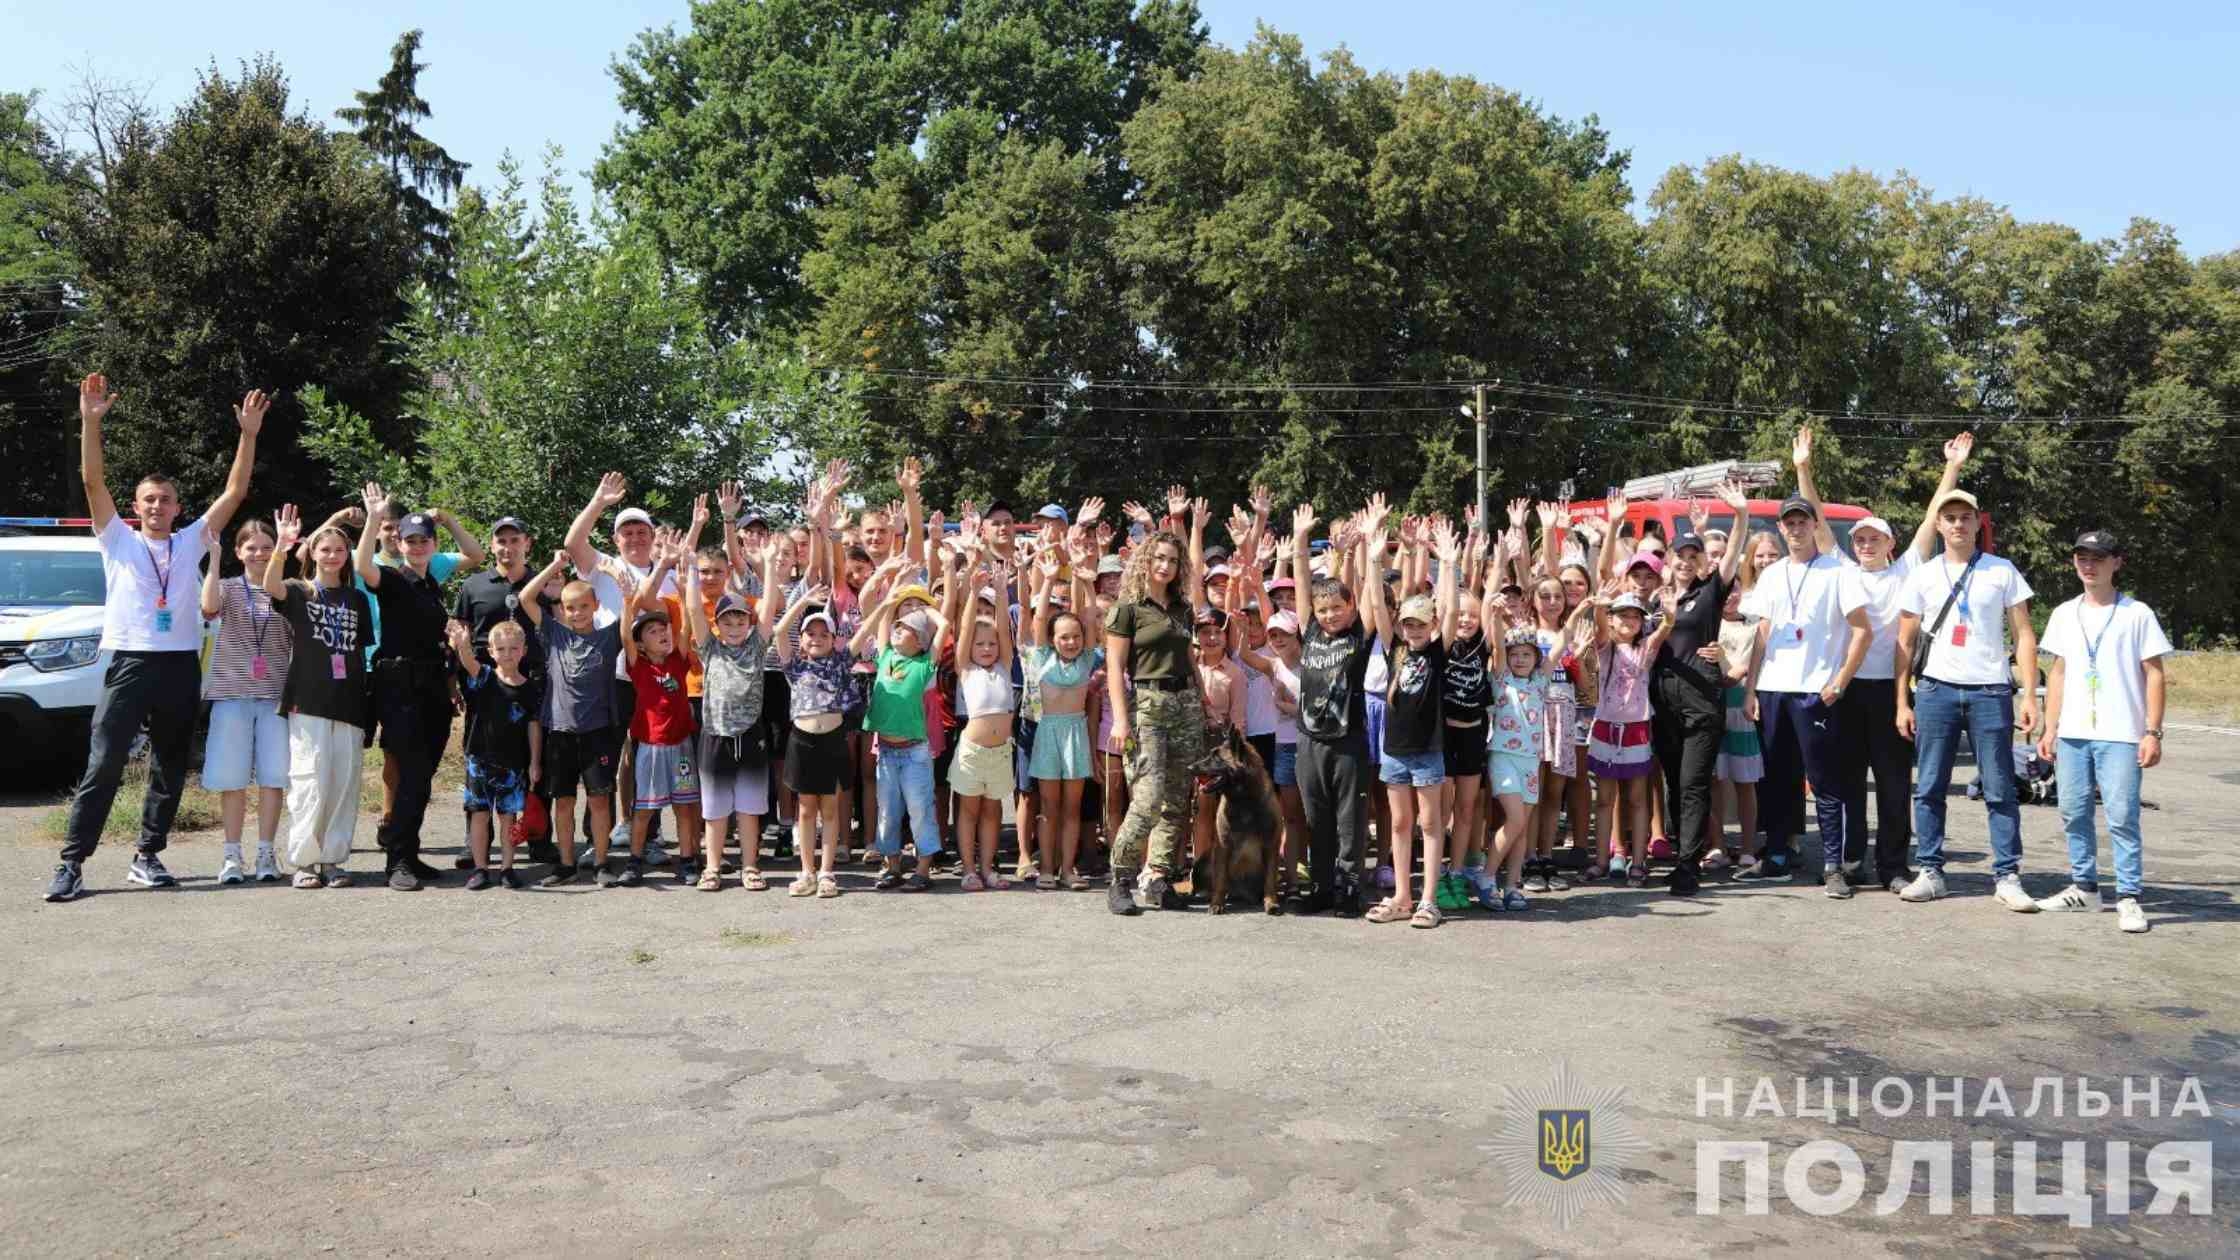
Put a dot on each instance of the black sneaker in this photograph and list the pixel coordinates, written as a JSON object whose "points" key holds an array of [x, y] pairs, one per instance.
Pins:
{"points": [[1348, 901], [1835, 886], [1320, 901], [463, 862], [479, 880], [425, 871], [559, 875], [1686, 879], [544, 851], [631, 871], [1120, 896], [67, 883], [148, 869], [402, 879], [508, 878], [606, 877], [888, 881]]}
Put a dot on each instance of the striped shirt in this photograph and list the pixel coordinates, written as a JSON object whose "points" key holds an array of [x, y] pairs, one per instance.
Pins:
{"points": [[248, 628]]}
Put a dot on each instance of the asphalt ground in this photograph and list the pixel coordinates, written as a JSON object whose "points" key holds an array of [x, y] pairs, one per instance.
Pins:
{"points": [[265, 1071]]}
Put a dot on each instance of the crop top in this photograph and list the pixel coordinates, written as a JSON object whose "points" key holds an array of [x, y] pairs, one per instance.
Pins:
{"points": [[984, 692]]}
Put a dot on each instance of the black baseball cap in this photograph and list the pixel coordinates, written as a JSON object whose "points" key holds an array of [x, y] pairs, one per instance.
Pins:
{"points": [[509, 522], [1000, 506], [416, 523], [1795, 503], [1687, 538], [2098, 541], [752, 519]]}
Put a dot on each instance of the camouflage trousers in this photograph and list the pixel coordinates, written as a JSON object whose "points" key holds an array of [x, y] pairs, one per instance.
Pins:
{"points": [[1166, 734]]}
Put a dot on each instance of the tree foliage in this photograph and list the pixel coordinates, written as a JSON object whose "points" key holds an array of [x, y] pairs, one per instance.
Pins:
{"points": [[387, 121], [38, 312]]}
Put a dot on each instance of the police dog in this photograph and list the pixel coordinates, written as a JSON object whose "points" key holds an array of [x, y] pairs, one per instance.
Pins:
{"points": [[1247, 830]]}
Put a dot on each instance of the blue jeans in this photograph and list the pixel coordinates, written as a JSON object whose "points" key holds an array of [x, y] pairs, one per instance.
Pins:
{"points": [[1942, 712], [906, 782], [2079, 766]]}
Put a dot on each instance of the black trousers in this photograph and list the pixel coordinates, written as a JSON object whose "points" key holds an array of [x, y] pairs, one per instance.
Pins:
{"points": [[414, 700], [1331, 779], [1688, 720], [159, 690], [1869, 741]]}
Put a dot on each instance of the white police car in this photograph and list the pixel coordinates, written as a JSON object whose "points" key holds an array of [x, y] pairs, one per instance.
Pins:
{"points": [[51, 662]]}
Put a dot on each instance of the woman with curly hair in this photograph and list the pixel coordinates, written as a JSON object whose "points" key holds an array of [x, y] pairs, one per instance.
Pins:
{"points": [[1147, 640]]}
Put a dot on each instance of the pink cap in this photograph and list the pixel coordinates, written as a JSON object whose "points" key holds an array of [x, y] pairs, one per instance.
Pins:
{"points": [[1646, 559], [1282, 584], [1286, 621]]}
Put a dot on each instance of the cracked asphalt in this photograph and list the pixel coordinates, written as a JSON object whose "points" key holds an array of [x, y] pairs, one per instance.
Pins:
{"points": [[262, 1071]]}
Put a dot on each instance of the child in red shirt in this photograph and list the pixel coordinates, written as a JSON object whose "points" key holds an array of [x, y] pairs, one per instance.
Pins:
{"points": [[660, 665]]}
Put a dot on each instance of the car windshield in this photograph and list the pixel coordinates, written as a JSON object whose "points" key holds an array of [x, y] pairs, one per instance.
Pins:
{"points": [[1763, 524], [49, 578]]}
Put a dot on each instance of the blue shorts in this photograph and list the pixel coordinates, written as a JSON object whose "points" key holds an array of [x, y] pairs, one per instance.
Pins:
{"points": [[494, 789], [1286, 768], [248, 743], [1423, 769], [1515, 776]]}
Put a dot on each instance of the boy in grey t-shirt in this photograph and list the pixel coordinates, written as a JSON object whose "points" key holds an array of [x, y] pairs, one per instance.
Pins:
{"points": [[583, 727]]}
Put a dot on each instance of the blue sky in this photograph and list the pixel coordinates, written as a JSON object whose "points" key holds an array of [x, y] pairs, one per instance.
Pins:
{"points": [[2083, 114]]}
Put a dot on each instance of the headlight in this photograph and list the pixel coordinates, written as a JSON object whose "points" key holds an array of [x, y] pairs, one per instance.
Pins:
{"points": [[53, 655]]}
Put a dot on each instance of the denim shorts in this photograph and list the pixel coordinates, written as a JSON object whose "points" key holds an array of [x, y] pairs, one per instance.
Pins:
{"points": [[248, 744], [1423, 769], [1286, 769]]}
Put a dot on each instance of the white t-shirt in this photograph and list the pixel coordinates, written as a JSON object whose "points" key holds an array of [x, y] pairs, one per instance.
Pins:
{"points": [[611, 597], [1806, 605], [1259, 699], [2106, 646], [1883, 590], [1971, 649], [134, 568], [1287, 724]]}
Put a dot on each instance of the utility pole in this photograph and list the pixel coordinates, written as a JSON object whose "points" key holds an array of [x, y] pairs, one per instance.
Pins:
{"points": [[1485, 520]]}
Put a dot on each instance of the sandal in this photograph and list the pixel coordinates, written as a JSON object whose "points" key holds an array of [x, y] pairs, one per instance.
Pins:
{"points": [[972, 882], [827, 886], [1637, 875], [338, 878], [711, 880], [995, 881], [1596, 872], [1387, 911], [753, 880], [805, 886], [918, 881], [307, 878], [1073, 882], [1427, 915], [1716, 860]]}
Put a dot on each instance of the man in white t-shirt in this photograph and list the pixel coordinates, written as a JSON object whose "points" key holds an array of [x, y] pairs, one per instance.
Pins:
{"points": [[151, 626], [1870, 740], [2103, 722], [1960, 608], [1812, 638], [633, 561]]}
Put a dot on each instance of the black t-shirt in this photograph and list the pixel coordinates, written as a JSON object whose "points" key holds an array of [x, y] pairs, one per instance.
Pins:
{"points": [[413, 616], [1331, 709], [327, 674], [499, 733], [1419, 680], [1702, 609], [487, 599], [1467, 691]]}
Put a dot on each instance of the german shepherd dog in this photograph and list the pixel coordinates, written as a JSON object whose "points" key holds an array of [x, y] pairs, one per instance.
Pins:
{"points": [[1247, 832]]}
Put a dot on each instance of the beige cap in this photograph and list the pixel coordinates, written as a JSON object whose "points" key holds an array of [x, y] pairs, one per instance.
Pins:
{"points": [[1954, 496], [1419, 608]]}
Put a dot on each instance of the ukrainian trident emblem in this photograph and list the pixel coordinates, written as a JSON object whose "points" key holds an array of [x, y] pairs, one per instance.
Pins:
{"points": [[1564, 1143]]}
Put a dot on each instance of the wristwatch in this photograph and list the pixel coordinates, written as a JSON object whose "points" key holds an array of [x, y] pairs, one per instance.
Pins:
{"points": [[2156, 732]]}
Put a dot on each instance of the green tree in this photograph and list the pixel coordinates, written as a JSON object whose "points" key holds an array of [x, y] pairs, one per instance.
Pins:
{"points": [[566, 351], [387, 121], [39, 309], [238, 245]]}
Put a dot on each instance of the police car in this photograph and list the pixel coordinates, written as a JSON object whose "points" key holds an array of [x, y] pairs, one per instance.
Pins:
{"points": [[51, 662]]}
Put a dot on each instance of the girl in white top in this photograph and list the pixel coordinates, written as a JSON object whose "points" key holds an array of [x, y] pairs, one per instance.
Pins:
{"points": [[981, 775], [248, 740]]}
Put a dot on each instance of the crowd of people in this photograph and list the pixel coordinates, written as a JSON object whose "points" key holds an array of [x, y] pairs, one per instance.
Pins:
{"points": [[1464, 691]]}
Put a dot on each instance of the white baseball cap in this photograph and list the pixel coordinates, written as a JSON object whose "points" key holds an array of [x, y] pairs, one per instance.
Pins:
{"points": [[627, 515], [1874, 522]]}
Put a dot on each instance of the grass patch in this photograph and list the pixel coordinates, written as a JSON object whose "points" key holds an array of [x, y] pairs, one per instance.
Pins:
{"points": [[640, 956], [748, 938], [451, 773], [199, 809], [2206, 683]]}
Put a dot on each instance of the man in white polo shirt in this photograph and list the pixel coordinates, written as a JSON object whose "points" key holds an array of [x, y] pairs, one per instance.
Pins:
{"points": [[151, 626], [2103, 722], [1813, 636], [1960, 609]]}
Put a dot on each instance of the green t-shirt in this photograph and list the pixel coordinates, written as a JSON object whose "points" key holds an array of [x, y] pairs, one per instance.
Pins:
{"points": [[898, 695], [1159, 639]]}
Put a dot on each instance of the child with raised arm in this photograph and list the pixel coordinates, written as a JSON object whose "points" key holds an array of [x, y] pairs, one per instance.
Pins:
{"points": [[666, 767], [1619, 751], [582, 720], [504, 742], [248, 741], [820, 677], [733, 650], [981, 776], [1413, 765], [1061, 664], [326, 697], [896, 719]]}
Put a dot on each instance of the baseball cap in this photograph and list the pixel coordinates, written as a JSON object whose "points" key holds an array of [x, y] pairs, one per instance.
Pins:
{"points": [[1283, 584], [1053, 512], [748, 521], [1211, 616], [1874, 522], [1649, 560], [1215, 555], [1000, 505], [821, 617], [646, 618], [508, 522], [729, 604], [416, 524], [1521, 636], [1950, 496], [1628, 602], [2098, 541], [1797, 503], [1220, 571], [1419, 608], [1286, 621], [1687, 538], [1111, 564], [919, 623], [627, 515], [1506, 587]]}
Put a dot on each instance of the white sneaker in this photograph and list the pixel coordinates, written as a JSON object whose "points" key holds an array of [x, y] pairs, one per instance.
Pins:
{"points": [[229, 871], [2008, 891], [2070, 899], [1926, 886], [2129, 916], [268, 868]]}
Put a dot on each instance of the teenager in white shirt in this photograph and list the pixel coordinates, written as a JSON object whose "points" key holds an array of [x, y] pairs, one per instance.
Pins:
{"points": [[2103, 722], [1967, 687], [152, 628]]}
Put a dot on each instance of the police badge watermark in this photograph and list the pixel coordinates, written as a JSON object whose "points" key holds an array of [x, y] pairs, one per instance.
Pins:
{"points": [[1563, 1144]]}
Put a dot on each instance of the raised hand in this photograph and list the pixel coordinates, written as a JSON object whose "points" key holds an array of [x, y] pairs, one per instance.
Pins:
{"points": [[376, 500], [1450, 544], [461, 638], [1136, 512], [1518, 510], [1302, 523], [560, 559], [1800, 450], [1105, 534], [287, 527], [1734, 496], [729, 497], [249, 414], [611, 489], [1091, 508], [1240, 523], [821, 593], [937, 524], [94, 398], [1199, 510], [1178, 500], [1470, 517], [1699, 514], [699, 511], [1956, 450], [910, 475], [1046, 561], [1262, 501]]}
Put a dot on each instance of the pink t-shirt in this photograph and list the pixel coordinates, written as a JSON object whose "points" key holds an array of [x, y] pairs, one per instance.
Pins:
{"points": [[1625, 685]]}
